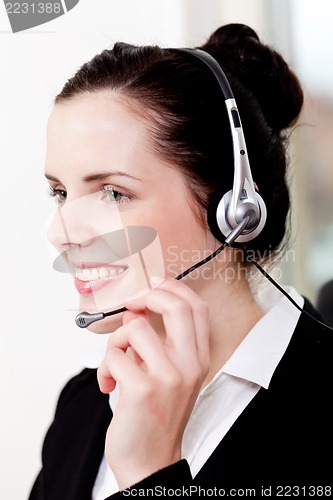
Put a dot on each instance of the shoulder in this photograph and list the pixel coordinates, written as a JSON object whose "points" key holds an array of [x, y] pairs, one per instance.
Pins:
{"points": [[311, 331], [80, 390], [309, 354], [74, 443], [81, 408]]}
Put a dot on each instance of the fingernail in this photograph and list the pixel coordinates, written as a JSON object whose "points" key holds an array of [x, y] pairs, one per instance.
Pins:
{"points": [[156, 280]]}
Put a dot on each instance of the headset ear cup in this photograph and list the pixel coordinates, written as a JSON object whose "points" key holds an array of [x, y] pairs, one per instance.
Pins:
{"points": [[213, 204], [219, 224]]}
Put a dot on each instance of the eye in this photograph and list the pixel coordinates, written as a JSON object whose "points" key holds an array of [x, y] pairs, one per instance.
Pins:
{"points": [[59, 195], [114, 195]]}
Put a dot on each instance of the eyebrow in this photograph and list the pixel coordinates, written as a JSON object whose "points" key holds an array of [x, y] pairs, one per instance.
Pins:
{"points": [[98, 176]]}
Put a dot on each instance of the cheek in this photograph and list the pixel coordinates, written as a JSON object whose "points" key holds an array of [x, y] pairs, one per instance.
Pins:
{"points": [[183, 243], [181, 236]]}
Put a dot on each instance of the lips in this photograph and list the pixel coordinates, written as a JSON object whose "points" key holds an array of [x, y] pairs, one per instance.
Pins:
{"points": [[91, 278]]}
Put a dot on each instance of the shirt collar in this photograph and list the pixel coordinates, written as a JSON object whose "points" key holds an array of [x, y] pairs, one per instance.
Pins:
{"points": [[258, 355]]}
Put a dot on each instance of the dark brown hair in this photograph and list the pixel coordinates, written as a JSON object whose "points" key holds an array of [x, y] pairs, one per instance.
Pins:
{"points": [[184, 109]]}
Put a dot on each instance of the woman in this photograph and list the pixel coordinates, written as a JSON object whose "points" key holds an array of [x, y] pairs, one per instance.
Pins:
{"points": [[211, 387]]}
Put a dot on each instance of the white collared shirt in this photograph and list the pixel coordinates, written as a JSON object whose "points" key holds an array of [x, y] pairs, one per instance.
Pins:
{"points": [[219, 404]]}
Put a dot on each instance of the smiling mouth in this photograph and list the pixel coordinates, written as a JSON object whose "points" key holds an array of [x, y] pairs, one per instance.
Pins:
{"points": [[92, 279]]}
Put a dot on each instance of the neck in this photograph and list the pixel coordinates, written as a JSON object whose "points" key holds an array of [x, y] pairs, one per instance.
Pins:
{"points": [[233, 313], [233, 310]]}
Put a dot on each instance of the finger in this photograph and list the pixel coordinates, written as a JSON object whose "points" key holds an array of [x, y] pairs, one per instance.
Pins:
{"points": [[140, 336], [177, 304], [200, 312], [128, 316], [178, 322], [117, 367]]}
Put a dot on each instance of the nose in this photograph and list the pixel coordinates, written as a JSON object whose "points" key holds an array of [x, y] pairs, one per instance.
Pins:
{"points": [[69, 227], [79, 227]]}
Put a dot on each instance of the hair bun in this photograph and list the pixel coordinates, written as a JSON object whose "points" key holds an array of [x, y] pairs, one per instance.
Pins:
{"points": [[261, 69]]}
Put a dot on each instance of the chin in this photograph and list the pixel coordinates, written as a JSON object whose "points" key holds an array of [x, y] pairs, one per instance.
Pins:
{"points": [[107, 325]]}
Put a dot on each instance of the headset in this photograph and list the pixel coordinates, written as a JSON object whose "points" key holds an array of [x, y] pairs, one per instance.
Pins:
{"points": [[237, 216], [227, 211]]}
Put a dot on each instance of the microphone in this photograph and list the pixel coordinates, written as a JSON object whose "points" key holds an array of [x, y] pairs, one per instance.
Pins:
{"points": [[85, 319]]}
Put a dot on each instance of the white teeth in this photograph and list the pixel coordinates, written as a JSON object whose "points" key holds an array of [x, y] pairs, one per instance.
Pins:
{"points": [[112, 272], [95, 273], [85, 274], [103, 273]]}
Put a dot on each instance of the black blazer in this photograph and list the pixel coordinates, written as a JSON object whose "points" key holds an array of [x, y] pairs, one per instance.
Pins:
{"points": [[282, 439]]}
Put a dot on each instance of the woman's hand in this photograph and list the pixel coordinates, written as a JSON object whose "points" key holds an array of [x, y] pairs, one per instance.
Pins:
{"points": [[159, 378]]}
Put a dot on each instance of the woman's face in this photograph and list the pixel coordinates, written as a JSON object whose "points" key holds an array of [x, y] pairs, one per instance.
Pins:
{"points": [[106, 179]]}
